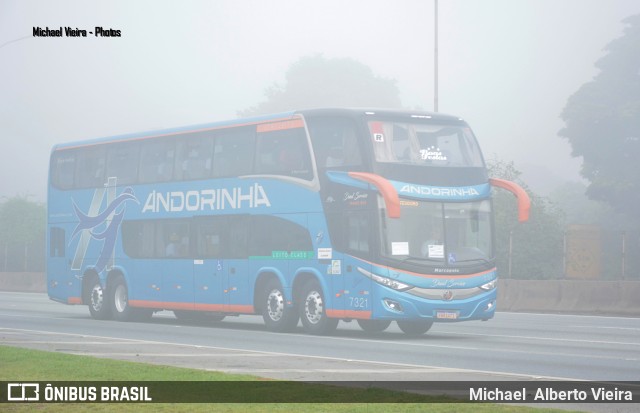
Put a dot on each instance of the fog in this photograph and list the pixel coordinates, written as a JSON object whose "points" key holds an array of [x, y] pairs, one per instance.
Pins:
{"points": [[507, 67]]}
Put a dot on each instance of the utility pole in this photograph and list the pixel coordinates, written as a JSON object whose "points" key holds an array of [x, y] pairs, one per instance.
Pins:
{"points": [[435, 59]]}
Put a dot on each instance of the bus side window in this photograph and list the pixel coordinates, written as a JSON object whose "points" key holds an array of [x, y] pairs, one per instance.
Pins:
{"points": [[335, 142], [122, 162], [138, 238], [271, 235], [193, 160], [156, 161], [284, 152], [234, 152], [91, 166], [175, 235], [56, 242], [63, 167]]}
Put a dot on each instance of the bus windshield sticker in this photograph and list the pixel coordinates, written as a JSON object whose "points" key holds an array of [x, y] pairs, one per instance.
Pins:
{"points": [[325, 253], [399, 248], [432, 153], [436, 251], [377, 131]]}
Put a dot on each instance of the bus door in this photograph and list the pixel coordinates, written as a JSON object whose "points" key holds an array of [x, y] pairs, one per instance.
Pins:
{"points": [[177, 271], [220, 267], [58, 273], [236, 265]]}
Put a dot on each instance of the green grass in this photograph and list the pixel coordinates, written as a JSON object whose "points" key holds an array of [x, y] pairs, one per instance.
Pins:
{"points": [[17, 364]]}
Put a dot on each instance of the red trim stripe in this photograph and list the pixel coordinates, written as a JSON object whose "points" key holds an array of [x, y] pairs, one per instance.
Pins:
{"points": [[167, 305], [74, 300], [362, 315]]}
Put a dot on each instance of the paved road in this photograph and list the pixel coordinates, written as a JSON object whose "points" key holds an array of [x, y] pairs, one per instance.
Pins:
{"points": [[510, 347]]}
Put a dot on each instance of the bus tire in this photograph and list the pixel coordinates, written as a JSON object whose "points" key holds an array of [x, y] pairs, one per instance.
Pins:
{"points": [[374, 326], [97, 299], [119, 301], [313, 311], [277, 316], [414, 328]]}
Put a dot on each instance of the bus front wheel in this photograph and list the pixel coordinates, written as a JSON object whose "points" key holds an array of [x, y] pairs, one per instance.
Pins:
{"points": [[414, 328], [276, 314], [313, 310]]}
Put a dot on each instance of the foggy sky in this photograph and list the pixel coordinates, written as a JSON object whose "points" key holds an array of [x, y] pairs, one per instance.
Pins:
{"points": [[507, 67]]}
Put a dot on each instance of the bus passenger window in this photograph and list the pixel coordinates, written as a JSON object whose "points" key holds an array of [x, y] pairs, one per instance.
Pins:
{"points": [[156, 161], [122, 162], [284, 152], [63, 167], [175, 238], [56, 242], [194, 155], [335, 142], [234, 151], [91, 166]]}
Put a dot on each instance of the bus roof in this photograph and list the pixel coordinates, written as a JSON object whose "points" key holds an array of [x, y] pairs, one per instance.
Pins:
{"points": [[256, 120]]}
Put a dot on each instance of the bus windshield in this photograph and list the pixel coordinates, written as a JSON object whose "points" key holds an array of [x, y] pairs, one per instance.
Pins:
{"points": [[419, 143], [448, 233]]}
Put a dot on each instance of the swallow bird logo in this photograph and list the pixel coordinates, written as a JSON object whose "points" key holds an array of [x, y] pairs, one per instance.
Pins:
{"points": [[101, 226]]}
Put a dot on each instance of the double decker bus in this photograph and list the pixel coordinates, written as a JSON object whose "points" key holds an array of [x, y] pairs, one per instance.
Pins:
{"points": [[312, 216]]}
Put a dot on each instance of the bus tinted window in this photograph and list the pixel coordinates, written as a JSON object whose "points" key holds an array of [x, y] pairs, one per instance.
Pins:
{"points": [[122, 162], [194, 154], [284, 152], [156, 161], [234, 152], [138, 239], [63, 167], [91, 166], [222, 237], [335, 142], [174, 240], [273, 234]]}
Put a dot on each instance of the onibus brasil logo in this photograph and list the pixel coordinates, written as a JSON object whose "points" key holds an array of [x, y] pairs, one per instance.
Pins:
{"points": [[101, 225]]}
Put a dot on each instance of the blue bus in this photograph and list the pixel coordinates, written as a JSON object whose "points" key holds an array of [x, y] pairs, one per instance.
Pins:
{"points": [[310, 216]]}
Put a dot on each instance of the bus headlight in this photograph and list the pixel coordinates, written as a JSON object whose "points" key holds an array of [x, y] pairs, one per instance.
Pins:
{"points": [[490, 285], [387, 282]]}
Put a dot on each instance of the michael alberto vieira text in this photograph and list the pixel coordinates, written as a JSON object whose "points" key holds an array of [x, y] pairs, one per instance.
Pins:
{"points": [[547, 394], [71, 32]]}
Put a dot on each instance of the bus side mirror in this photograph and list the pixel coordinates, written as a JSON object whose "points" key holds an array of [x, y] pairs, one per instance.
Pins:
{"points": [[386, 189], [524, 202]]}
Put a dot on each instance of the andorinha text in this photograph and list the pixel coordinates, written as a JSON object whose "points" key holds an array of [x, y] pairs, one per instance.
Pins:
{"points": [[75, 32]]}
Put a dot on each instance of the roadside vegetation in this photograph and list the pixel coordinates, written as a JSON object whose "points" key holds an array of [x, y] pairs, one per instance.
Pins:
{"points": [[25, 365]]}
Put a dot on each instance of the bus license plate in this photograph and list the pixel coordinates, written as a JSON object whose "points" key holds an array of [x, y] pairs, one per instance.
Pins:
{"points": [[447, 315]]}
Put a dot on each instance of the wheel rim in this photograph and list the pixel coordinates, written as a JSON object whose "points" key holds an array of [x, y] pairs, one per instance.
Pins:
{"points": [[275, 305], [97, 297], [313, 307], [120, 298]]}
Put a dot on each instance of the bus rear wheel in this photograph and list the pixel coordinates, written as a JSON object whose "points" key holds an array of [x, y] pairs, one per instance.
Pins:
{"points": [[277, 316], [414, 328], [96, 298], [119, 302], [374, 326], [313, 310]]}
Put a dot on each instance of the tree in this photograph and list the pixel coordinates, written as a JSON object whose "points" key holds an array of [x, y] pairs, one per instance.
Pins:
{"points": [[537, 245], [22, 229], [319, 82], [602, 124]]}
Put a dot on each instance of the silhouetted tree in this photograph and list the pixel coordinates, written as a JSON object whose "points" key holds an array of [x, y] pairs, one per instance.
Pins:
{"points": [[603, 124], [319, 82]]}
